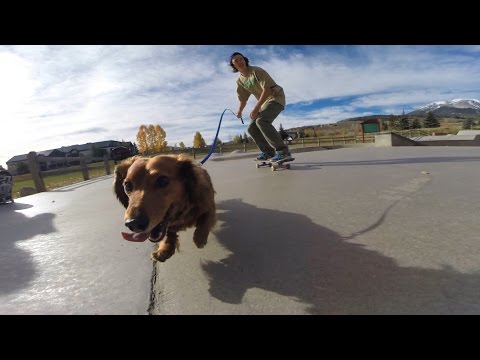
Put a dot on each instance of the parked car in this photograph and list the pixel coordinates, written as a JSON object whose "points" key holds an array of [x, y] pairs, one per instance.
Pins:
{"points": [[120, 153]]}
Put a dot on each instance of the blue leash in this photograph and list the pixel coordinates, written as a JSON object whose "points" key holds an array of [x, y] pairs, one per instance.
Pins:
{"points": [[216, 136]]}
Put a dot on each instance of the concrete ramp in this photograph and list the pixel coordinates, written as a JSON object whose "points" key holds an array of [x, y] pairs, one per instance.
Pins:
{"points": [[385, 139]]}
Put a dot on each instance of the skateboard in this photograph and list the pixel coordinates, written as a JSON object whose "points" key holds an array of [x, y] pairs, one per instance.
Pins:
{"points": [[274, 165]]}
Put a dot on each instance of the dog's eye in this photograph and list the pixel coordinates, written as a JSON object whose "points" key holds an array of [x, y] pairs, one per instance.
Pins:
{"points": [[128, 186], [162, 181]]}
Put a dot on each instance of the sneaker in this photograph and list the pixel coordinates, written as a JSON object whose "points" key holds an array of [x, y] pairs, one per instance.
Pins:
{"points": [[281, 156], [263, 156]]}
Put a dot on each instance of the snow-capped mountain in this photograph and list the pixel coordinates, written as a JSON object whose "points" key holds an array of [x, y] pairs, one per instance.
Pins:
{"points": [[449, 108]]}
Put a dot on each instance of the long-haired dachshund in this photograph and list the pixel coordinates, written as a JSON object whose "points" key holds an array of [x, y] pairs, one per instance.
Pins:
{"points": [[163, 195]]}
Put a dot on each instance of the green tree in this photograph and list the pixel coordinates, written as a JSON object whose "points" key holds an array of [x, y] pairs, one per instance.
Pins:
{"points": [[395, 124], [403, 124], [467, 123], [281, 131], [181, 145], [245, 138], [198, 140], [415, 124], [431, 121], [237, 139]]}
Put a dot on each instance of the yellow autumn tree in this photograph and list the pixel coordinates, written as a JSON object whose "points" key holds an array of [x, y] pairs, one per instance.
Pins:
{"points": [[151, 139], [142, 139], [198, 140], [160, 142]]}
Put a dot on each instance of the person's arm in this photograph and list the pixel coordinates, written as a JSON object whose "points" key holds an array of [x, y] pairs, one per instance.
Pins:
{"points": [[241, 106], [243, 96], [265, 94]]}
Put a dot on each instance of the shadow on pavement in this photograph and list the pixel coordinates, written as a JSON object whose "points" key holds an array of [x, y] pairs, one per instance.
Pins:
{"points": [[13, 206], [16, 265], [418, 160], [288, 254]]}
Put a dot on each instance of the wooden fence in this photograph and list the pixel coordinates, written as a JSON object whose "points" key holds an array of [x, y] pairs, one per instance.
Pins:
{"points": [[62, 164], [293, 144], [34, 166]]}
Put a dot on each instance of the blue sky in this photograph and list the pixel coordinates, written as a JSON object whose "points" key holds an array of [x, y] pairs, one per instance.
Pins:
{"points": [[53, 96]]}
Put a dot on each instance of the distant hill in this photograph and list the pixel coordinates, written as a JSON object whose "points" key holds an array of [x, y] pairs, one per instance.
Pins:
{"points": [[453, 109], [449, 108]]}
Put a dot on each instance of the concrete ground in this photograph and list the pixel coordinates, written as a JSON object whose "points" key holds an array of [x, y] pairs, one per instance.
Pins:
{"points": [[345, 231], [61, 253]]}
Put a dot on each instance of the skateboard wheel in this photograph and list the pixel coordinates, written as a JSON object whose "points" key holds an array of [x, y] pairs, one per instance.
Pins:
{"points": [[273, 167], [287, 166], [258, 166]]}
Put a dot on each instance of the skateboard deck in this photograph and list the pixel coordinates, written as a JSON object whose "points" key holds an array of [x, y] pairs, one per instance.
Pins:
{"points": [[274, 165]]}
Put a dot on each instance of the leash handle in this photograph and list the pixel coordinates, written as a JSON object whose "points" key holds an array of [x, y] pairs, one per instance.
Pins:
{"points": [[216, 136]]}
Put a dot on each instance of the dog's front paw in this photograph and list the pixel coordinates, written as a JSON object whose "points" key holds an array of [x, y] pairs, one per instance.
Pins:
{"points": [[200, 238], [163, 253]]}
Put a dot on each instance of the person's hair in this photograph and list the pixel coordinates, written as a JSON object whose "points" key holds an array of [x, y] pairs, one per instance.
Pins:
{"points": [[234, 69]]}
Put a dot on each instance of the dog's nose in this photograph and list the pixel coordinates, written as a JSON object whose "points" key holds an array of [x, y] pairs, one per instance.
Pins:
{"points": [[137, 224]]}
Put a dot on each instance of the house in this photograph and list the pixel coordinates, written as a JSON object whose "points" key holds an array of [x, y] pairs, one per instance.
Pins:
{"points": [[96, 149], [17, 165], [47, 164]]}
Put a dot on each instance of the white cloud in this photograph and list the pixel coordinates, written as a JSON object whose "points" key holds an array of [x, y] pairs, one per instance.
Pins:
{"points": [[62, 95]]}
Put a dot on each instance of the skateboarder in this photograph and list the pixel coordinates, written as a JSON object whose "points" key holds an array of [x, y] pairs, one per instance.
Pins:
{"points": [[270, 103]]}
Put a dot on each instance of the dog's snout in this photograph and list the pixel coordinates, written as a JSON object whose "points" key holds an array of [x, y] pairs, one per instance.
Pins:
{"points": [[137, 224]]}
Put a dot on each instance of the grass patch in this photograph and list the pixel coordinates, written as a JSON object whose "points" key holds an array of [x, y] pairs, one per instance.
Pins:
{"points": [[55, 181]]}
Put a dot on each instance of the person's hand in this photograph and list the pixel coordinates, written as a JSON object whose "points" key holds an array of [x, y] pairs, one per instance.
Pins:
{"points": [[239, 114], [254, 114]]}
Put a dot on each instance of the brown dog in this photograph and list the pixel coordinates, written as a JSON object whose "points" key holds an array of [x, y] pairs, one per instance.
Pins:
{"points": [[163, 195]]}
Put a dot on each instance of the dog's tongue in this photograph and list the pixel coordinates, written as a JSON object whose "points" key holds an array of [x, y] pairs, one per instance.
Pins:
{"points": [[156, 235], [135, 237]]}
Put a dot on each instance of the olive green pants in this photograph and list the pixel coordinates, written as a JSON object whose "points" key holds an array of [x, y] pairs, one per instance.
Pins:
{"points": [[264, 133]]}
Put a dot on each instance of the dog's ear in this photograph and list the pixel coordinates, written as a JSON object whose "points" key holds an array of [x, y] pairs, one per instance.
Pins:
{"points": [[187, 172], [120, 174]]}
